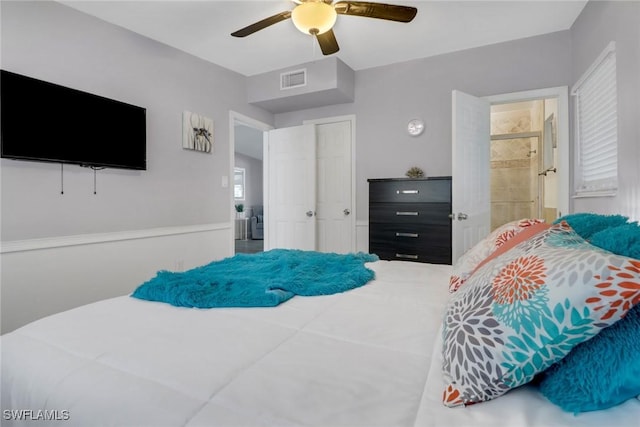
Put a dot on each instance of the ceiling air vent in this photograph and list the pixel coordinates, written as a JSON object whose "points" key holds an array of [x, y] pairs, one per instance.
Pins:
{"points": [[291, 79]]}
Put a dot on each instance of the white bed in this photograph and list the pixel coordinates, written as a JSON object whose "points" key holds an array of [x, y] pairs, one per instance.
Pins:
{"points": [[366, 357]]}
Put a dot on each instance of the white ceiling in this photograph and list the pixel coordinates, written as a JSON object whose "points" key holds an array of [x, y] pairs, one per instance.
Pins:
{"points": [[203, 28]]}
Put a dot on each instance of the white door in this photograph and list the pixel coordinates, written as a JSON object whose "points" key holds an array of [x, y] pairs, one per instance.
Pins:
{"points": [[290, 190], [470, 174], [309, 188], [335, 227]]}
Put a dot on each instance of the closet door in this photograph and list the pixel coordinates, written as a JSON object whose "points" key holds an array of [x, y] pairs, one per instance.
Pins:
{"points": [[335, 229], [309, 188], [290, 190]]}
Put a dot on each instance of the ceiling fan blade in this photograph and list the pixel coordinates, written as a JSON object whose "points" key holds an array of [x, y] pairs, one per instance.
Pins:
{"points": [[260, 25], [328, 43], [389, 12]]}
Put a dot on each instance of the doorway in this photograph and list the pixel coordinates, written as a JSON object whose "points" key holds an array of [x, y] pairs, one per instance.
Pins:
{"points": [[471, 162], [246, 161], [553, 157], [522, 176]]}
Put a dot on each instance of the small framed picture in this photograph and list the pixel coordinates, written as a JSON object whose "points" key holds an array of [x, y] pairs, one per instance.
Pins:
{"points": [[197, 132]]}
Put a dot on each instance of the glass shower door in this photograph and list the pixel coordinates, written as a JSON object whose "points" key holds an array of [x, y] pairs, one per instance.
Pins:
{"points": [[516, 189]]}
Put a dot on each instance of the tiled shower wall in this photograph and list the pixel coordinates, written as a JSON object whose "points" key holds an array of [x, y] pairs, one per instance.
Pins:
{"points": [[514, 164]]}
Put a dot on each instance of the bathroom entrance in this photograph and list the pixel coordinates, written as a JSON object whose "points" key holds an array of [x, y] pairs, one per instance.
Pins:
{"points": [[523, 161]]}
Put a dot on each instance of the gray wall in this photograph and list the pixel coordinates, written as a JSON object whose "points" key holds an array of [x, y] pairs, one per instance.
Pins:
{"points": [[600, 23], [387, 97], [253, 180], [52, 42]]}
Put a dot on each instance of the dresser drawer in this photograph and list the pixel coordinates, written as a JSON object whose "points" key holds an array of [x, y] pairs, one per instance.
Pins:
{"points": [[410, 191], [405, 213], [422, 236], [434, 256]]}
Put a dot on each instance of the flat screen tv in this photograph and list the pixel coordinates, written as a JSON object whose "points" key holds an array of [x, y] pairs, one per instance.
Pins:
{"points": [[42, 121]]}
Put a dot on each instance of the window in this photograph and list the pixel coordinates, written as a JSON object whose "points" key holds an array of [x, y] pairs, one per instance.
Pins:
{"points": [[238, 183], [596, 127]]}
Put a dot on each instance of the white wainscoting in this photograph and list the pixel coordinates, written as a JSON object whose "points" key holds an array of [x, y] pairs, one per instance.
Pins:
{"points": [[362, 236], [46, 276]]}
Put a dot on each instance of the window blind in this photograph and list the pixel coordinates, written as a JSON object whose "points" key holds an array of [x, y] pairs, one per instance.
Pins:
{"points": [[597, 126]]}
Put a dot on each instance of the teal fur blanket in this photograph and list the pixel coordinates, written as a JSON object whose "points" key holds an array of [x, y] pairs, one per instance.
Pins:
{"points": [[259, 280]]}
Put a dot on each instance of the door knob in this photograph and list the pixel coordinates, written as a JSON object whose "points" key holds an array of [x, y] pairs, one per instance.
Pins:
{"points": [[462, 216], [309, 213], [346, 211]]}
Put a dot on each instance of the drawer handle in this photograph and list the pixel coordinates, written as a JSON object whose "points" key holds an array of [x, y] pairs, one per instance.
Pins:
{"points": [[407, 191], [404, 213], [406, 256], [407, 235]]}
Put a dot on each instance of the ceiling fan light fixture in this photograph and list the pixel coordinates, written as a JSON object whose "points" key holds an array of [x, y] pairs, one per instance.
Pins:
{"points": [[314, 17]]}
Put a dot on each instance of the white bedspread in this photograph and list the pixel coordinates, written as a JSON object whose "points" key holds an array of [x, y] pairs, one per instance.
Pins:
{"points": [[361, 358]]}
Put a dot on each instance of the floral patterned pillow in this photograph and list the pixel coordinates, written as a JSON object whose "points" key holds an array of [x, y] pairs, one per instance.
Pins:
{"points": [[527, 308], [468, 262]]}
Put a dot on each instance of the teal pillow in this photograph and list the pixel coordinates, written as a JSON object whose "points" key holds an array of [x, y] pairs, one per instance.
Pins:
{"points": [[604, 371], [621, 240], [586, 224], [599, 373]]}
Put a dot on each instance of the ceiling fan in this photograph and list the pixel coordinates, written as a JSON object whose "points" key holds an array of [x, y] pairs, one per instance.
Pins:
{"points": [[317, 17]]}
